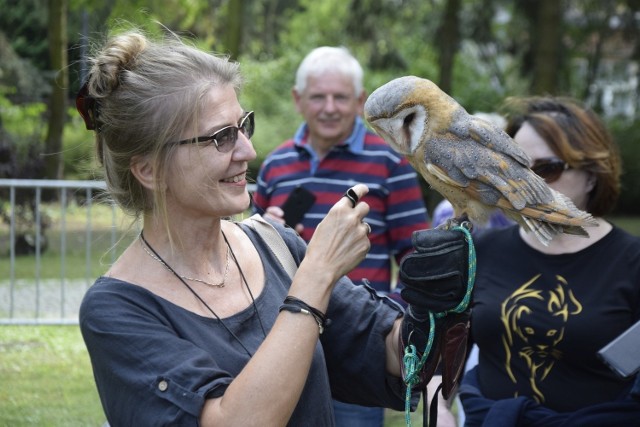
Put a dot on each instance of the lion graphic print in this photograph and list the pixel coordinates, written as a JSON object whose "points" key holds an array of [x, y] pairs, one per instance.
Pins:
{"points": [[535, 345]]}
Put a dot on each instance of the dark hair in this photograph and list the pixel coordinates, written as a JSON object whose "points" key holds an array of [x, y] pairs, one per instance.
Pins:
{"points": [[576, 135]]}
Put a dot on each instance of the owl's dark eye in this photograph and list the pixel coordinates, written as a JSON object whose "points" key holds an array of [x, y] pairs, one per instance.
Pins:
{"points": [[408, 119], [406, 126]]}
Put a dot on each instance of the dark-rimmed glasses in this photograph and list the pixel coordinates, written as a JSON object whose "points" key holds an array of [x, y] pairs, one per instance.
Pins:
{"points": [[225, 139], [549, 169]]}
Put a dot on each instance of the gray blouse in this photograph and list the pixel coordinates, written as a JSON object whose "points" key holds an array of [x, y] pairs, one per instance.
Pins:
{"points": [[155, 363]]}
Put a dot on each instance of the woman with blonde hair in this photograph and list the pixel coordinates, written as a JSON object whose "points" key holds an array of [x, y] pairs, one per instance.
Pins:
{"points": [[198, 322]]}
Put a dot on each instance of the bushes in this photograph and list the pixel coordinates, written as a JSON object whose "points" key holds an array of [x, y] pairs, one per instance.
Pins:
{"points": [[268, 92], [627, 134]]}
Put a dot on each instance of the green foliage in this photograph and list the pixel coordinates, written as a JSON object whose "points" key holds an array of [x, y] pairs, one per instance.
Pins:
{"points": [[630, 224], [315, 23], [78, 147], [390, 38], [25, 24], [627, 135], [22, 124], [21, 120], [276, 117]]}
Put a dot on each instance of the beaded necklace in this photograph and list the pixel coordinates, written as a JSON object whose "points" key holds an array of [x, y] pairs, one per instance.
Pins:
{"points": [[235, 260]]}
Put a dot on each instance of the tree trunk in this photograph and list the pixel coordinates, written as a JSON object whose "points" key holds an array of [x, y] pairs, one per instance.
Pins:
{"points": [[547, 48], [448, 40], [233, 40], [60, 82]]}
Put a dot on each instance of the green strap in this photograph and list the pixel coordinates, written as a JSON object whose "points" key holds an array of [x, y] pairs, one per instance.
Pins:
{"points": [[412, 364]]}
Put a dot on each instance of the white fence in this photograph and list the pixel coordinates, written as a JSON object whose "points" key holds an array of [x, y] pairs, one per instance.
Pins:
{"points": [[40, 287], [30, 295]]}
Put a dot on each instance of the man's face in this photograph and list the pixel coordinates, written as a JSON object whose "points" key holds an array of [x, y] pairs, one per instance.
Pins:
{"points": [[329, 105]]}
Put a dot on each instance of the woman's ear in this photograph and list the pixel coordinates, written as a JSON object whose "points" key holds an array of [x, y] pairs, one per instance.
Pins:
{"points": [[142, 169]]}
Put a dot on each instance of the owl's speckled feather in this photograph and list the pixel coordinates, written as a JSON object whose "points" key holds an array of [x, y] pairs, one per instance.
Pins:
{"points": [[473, 164]]}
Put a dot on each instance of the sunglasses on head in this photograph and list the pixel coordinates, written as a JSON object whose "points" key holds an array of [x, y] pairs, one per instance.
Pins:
{"points": [[549, 169], [225, 139], [87, 107]]}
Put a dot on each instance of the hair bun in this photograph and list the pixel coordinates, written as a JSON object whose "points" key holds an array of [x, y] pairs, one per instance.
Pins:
{"points": [[118, 56]]}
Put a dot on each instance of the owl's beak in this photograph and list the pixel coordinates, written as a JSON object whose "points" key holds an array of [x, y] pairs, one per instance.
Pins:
{"points": [[388, 136]]}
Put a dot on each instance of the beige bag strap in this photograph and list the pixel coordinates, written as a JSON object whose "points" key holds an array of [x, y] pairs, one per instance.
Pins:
{"points": [[274, 241]]}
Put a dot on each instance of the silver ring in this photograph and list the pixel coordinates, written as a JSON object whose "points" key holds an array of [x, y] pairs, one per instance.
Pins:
{"points": [[368, 227], [351, 195]]}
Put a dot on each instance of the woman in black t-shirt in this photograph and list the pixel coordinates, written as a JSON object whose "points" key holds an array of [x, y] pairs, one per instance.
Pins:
{"points": [[541, 313]]}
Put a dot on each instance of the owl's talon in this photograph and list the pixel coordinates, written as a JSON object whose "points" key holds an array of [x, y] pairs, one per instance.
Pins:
{"points": [[467, 225], [460, 221], [448, 224]]}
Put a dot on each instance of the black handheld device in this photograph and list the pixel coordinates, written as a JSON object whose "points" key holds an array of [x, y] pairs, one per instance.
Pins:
{"points": [[623, 353], [297, 204]]}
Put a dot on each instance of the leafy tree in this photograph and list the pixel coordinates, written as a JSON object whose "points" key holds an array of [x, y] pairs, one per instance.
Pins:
{"points": [[24, 22], [21, 160], [23, 49], [479, 51]]}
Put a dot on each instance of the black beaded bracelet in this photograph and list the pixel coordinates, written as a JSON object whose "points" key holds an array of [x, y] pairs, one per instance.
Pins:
{"points": [[295, 305]]}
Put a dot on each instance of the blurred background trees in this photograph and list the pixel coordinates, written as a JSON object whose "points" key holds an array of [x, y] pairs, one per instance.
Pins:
{"points": [[479, 51]]}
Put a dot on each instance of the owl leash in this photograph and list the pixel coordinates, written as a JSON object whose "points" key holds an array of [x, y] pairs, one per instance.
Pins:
{"points": [[438, 279]]}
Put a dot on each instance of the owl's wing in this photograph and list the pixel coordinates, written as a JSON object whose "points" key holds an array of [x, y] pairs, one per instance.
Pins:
{"points": [[488, 164], [496, 139]]}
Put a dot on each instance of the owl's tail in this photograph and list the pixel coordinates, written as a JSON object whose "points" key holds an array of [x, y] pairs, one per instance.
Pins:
{"points": [[559, 216]]}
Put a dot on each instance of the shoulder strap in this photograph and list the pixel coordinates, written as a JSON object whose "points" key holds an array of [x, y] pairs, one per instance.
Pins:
{"points": [[274, 241]]}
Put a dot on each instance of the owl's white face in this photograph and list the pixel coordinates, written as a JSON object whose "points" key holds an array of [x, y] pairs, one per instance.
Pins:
{"points": [[404, 130]]}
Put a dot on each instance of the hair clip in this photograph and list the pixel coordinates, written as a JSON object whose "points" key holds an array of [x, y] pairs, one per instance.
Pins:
{"points": [[87, 107]]}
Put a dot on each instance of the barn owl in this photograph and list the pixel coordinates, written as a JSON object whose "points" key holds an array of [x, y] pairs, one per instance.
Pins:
{"points": [[472, 163]]}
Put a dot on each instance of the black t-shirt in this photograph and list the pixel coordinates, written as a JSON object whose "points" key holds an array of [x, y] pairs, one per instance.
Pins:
{"points": [[540, 319]]}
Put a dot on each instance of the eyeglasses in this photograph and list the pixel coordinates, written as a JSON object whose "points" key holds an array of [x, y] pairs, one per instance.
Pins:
{"points": [[225, 139], [549, 169]]}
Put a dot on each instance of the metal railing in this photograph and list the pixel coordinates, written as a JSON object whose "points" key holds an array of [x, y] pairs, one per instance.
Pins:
{"points": [[34, 296], [29, 295]]}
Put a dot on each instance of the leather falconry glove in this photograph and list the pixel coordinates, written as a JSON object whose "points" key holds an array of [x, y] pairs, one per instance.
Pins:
{"points": [[435, 279]]}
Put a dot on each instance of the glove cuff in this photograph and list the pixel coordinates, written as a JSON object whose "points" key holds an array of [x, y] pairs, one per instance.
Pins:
{"points": [[415, 331], [454, 343], [448, 350]]}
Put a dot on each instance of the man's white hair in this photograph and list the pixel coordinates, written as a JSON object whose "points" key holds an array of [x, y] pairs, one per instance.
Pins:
{"points": [[329, 59]]}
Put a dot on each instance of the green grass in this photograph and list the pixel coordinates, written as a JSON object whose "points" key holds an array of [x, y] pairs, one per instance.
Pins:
{"points": [[628, 223], [397, 418], [46, 378], [103, 251]]}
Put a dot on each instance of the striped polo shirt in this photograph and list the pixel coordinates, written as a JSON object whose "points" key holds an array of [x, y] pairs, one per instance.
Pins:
{"points": [[395, 198]]}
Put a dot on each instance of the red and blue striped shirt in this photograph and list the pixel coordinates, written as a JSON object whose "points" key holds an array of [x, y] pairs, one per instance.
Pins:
{"points": [[395, 198]]}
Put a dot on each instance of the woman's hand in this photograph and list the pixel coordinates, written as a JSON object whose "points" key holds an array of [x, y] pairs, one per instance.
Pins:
{"points": [[340, 242]]}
